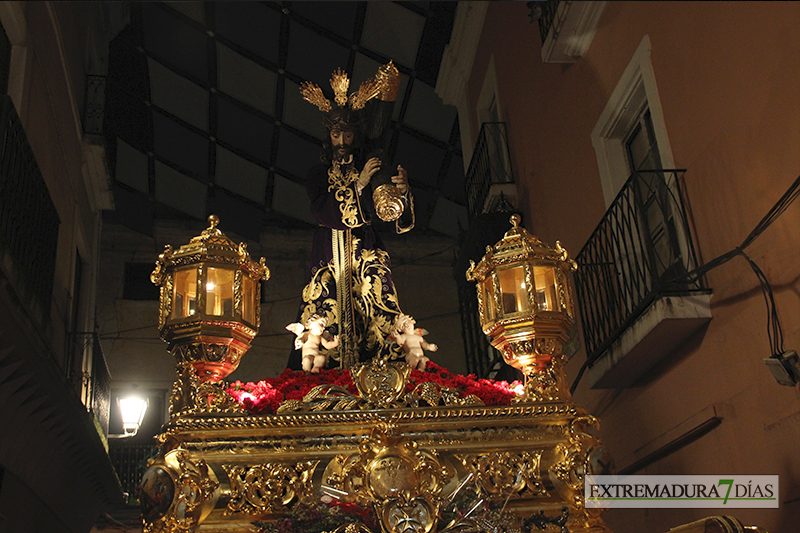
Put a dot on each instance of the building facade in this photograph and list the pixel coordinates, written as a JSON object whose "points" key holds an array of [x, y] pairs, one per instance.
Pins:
{"points": [[651, 139], [54, 384]]}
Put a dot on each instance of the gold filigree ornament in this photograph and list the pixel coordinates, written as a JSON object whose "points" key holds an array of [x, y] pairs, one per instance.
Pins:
{"points": [[388, 202], [380, 385], [351, 528], [269, 487], [312, 94], [382, 382], [368, 90], [191, 395], [402, 482], [340, 83], [177, 493], [384, 85], [505, 475]]}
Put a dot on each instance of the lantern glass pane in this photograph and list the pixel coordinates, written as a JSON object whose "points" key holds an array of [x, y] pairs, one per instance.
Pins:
{"points": [[184, 296], [545, 282], [219, 292], [488, 298], [514, 292], [248, 300]]}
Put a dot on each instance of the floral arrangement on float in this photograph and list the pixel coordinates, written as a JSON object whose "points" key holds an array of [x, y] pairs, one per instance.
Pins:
{"points": [[266, 396]]}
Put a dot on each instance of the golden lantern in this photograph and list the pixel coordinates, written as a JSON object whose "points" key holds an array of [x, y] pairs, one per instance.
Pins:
{"points": [[525, 306], [210, 301]]}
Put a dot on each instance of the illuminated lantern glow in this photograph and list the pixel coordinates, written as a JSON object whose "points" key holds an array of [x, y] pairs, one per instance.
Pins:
{"points": [[210, 301], [525, 306]]}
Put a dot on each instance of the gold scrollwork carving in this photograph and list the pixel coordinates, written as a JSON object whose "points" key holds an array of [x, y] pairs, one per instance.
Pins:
{"points": [[323, 398], [268, 487], [391, 473], [548, 384], [574, 455], [388, 202], [434, 395], [162, 263], [503, 475], [352, 528], [381, 383], [379, 388], [190, 395], [191, 489], [165, 299]]}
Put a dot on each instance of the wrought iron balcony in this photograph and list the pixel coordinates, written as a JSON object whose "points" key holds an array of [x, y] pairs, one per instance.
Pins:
{"points": [[490, 167], [546, 13], [490, 193], [639, 253], [566, 28], [28, 219], [99, 386]]}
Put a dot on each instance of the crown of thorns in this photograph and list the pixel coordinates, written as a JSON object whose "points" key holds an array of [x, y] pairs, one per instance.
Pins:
{"points": [[384, 85]]}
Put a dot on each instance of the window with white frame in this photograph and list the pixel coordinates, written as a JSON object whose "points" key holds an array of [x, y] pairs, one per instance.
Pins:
{"points": [[631, 143]]}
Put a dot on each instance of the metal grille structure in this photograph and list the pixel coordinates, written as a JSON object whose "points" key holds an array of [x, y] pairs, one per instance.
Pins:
{"points": [[490, 165], [130, 462], [28, 219], [100, 385], [549, 10], [640, 251], [482, 360]]}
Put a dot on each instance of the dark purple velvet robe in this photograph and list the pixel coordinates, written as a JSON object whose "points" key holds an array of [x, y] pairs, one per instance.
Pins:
{"points": [[336, 205]]}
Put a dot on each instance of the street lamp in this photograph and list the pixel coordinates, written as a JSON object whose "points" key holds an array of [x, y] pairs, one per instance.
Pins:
{"points": [[525, 306], [133, 410], [210, 301]]}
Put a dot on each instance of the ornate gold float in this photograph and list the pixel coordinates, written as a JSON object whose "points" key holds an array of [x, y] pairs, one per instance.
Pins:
{"points": [[397, 459]]}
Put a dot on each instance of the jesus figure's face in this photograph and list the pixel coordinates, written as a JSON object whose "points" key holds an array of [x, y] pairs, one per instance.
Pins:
{"points": [[342, 143]]}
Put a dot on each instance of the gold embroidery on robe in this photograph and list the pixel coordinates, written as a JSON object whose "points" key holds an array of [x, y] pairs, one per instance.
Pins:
{"points": [[345, 195]]}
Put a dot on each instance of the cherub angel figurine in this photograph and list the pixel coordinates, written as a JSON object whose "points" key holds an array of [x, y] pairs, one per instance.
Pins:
{"points": [[309, 339], [411, 341]]}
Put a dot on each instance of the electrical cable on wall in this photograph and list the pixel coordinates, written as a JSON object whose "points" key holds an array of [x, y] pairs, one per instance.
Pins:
{"points": [[774, 329]]}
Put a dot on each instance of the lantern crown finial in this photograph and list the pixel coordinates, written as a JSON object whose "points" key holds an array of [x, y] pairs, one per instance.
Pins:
{"points": [[213, 220], [517, 245]]}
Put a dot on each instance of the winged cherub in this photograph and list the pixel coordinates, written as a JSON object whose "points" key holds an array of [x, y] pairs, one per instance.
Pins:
{"points": [[411, 341], [309, 339]]}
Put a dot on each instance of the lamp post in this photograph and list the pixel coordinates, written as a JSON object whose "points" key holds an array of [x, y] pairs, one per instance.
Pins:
{"points": [[210, 302], [525, 306]]}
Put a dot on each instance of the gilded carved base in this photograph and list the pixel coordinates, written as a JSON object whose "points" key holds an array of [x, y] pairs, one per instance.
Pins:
{"points": [[410, 462]]}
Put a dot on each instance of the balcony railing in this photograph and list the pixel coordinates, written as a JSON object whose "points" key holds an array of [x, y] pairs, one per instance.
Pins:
{"points": [[100, 386], [640, 251], [549, 10], [490, 165], [28, 219]]}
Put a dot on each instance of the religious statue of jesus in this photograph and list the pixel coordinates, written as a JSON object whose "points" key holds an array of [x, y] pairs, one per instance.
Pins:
{"points": [[350, 280]]}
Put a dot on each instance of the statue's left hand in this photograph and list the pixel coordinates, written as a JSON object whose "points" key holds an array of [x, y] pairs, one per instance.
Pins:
{"points": [[401, 180]]}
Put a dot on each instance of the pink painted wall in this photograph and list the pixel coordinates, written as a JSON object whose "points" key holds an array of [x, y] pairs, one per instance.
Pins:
{"points": [[728, 77]]}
